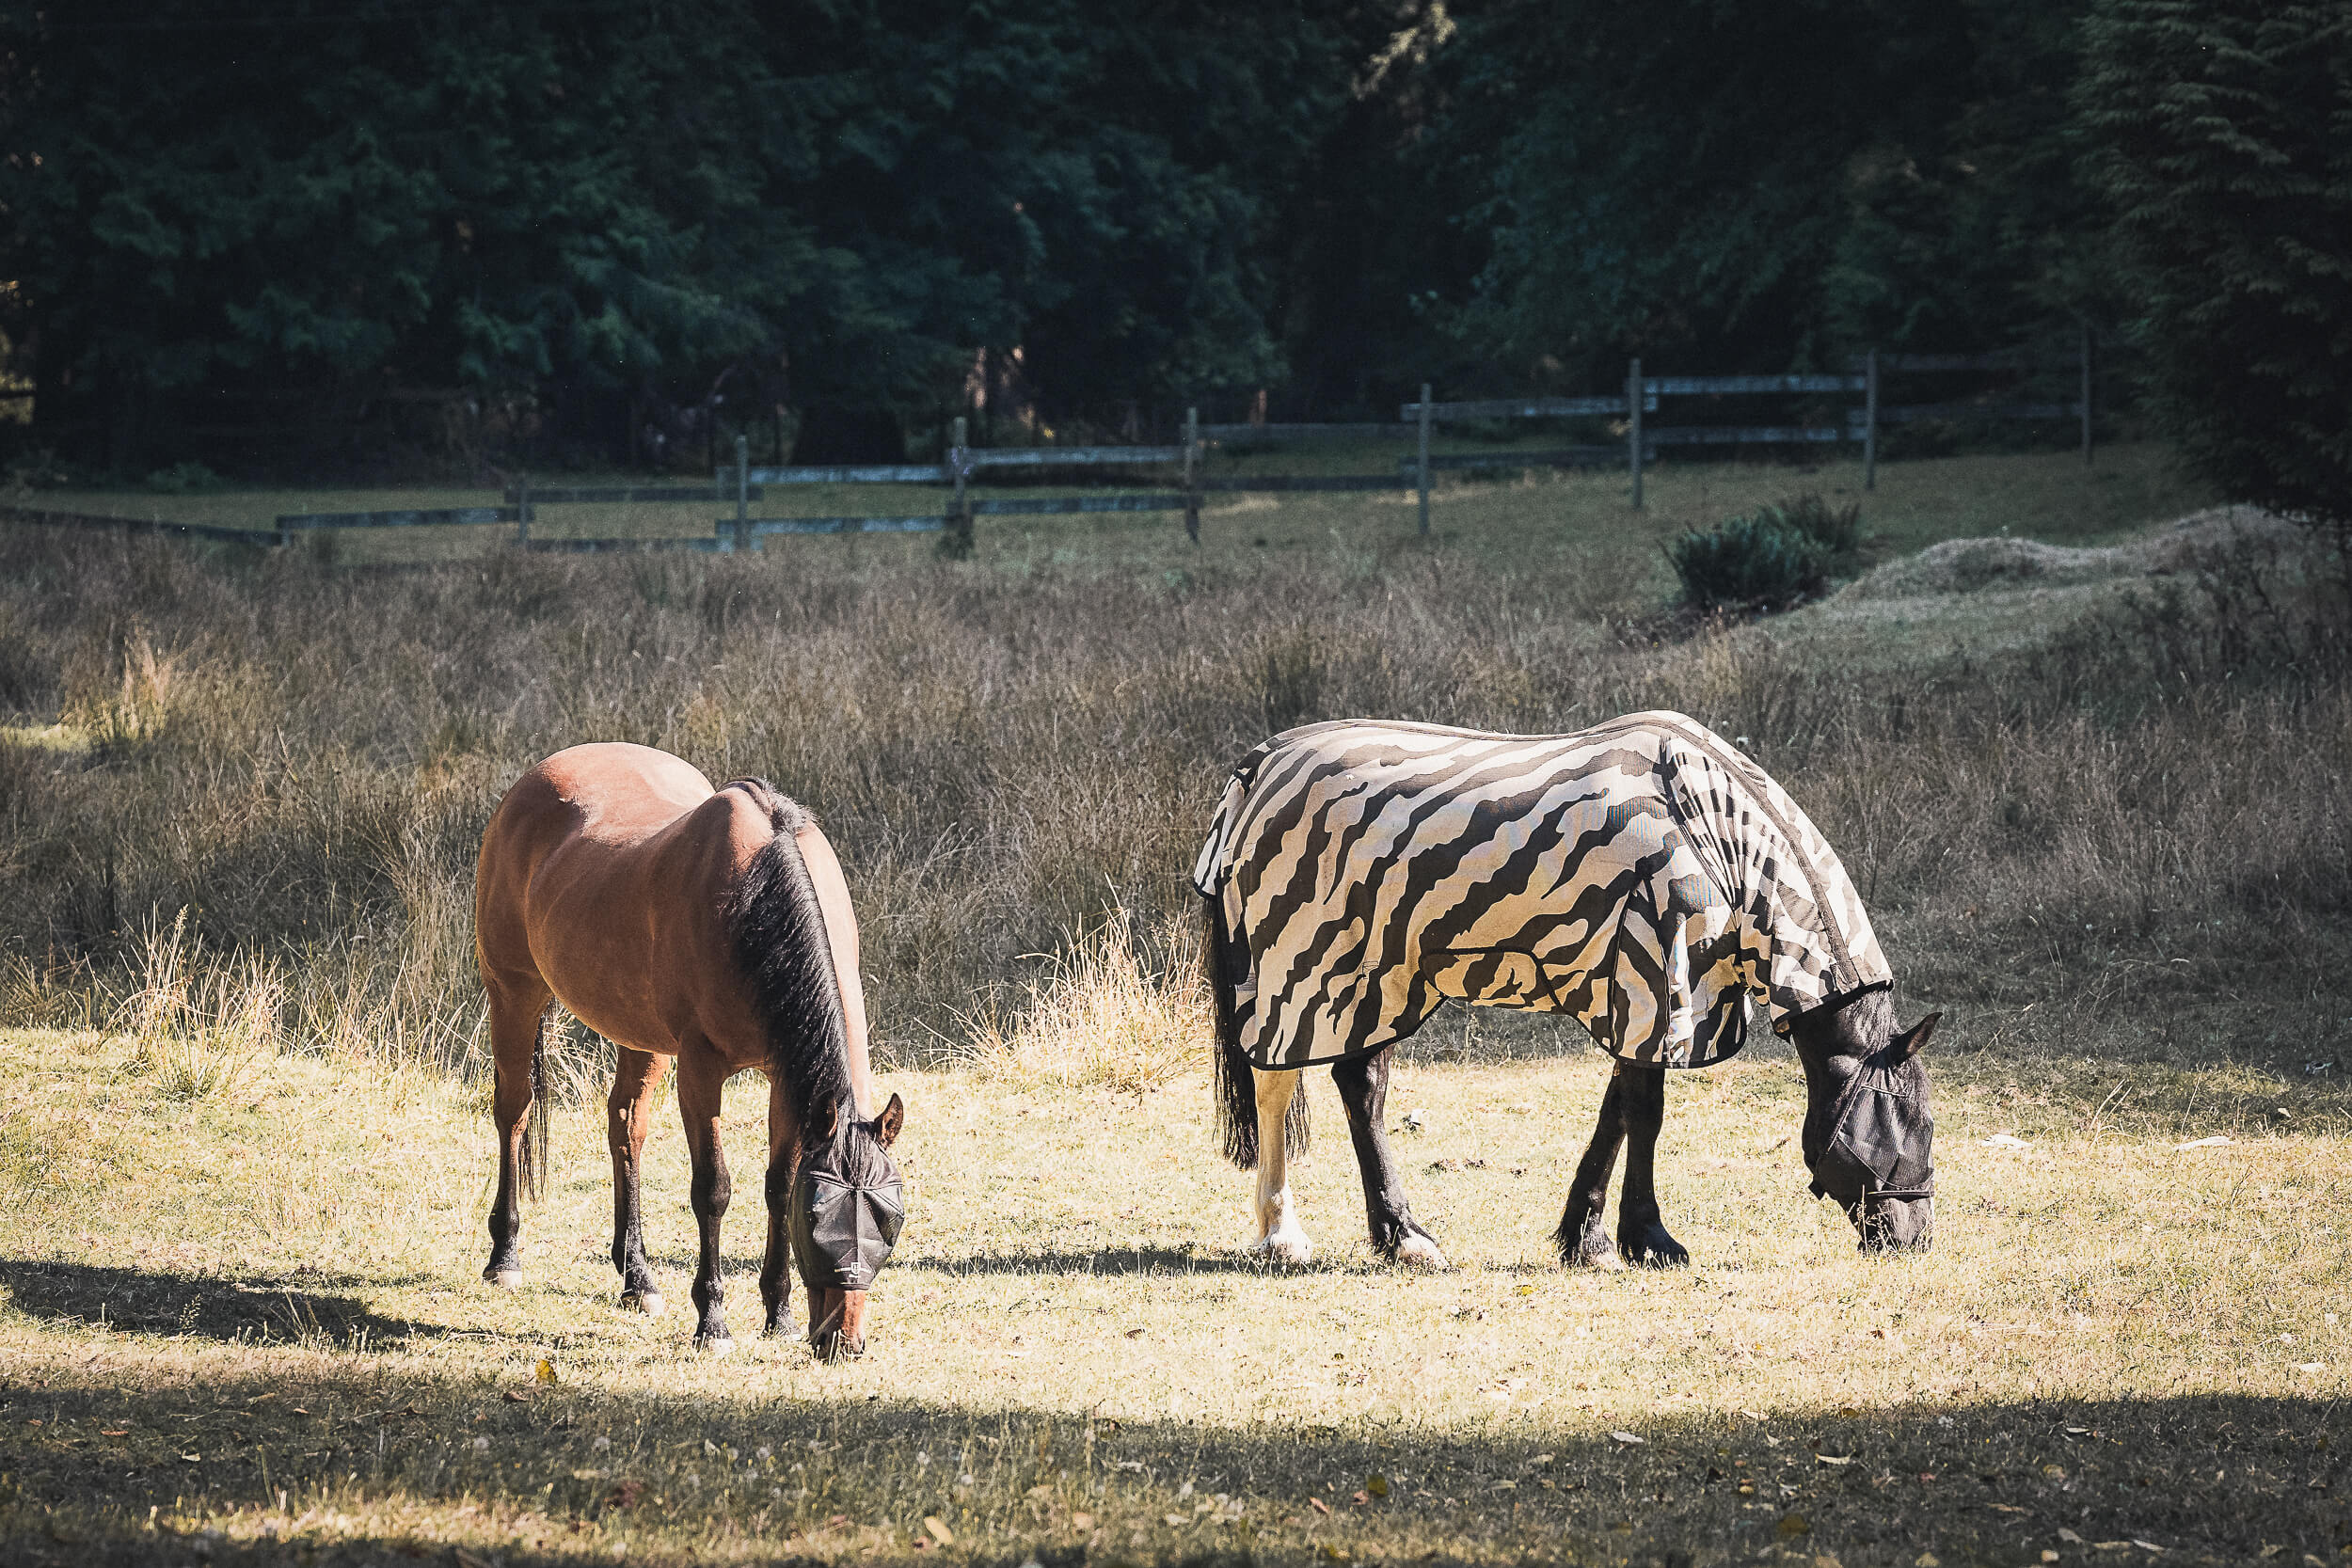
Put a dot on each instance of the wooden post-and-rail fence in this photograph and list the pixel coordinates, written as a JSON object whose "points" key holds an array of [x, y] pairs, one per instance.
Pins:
{"points": [[1640, 396]]}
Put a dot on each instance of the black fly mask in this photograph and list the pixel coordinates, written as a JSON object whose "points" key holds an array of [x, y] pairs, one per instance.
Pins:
{"points": [[1880, 1148], [847, 1208]]}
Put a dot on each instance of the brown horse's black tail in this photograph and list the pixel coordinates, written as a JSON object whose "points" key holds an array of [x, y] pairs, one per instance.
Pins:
{"points": [[534, 1161], [1226, 959]]}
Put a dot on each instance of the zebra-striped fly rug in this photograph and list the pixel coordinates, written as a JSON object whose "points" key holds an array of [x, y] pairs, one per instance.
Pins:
{"points": [[1643, 876]]}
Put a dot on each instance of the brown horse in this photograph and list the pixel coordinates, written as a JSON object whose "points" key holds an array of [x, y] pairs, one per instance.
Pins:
{"points": [[712, 929]]}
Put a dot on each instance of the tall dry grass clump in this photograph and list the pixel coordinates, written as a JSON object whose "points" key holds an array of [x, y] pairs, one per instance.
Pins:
{"points": [[1098, 1013]]}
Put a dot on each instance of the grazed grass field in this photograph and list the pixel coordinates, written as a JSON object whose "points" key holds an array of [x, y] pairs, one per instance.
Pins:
{"points": [[247, 1327]]}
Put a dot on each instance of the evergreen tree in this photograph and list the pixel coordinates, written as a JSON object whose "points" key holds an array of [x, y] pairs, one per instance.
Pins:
{"points": [[2221, 132]]}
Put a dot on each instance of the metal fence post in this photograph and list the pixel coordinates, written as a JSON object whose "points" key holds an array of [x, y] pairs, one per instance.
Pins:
{"points": [[1633, 426], [1424, 457], [522, 510], [1871, 421], [2085, 359], [1192, 474], [742, 495]]}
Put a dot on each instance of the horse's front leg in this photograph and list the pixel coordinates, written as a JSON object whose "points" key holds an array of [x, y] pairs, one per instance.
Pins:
{"points": [[1581, 1238], [1641, 1238], [628, 1117], [784, 1160], [1280, 1238], [701, 1075], [1363, 1085]]}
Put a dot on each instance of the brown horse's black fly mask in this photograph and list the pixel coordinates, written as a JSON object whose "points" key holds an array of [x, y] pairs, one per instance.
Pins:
{"points": [[847, 1207]]}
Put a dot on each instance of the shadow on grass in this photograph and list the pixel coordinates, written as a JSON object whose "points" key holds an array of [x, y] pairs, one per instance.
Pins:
{"points": [[408, 1461], [139, 1301]]}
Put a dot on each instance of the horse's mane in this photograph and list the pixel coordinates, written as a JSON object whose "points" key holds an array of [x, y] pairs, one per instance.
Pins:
{"points": [[778, 931]]}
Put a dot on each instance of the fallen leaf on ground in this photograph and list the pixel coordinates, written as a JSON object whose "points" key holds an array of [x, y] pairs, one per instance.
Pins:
{"points": [[2214, 1142], [1318, 1505], [515, 1396], [1378, 1485], [1835, 1458], [1627, 1437], [1795, 1525], [545, 1371], [940, 1532], [2070, 1535]]}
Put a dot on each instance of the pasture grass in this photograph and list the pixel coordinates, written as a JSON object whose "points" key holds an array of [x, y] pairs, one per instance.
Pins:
{"points": [[246, 1327]]}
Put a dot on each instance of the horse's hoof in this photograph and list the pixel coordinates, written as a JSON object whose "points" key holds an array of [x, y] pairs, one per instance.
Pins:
{"points": [[714, 1344], [1593, 1250], [505, 1279], [647, 1302], [1651, 1247], [1420, 1252], [1291, 1251], [836, 1347]]}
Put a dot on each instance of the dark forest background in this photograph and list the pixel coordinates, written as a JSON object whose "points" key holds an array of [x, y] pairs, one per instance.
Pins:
{"points": [[388, 233]]}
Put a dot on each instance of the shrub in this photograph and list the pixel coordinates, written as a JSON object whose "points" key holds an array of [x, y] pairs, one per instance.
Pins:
{"points": [[1838, 529], [1746, 561], [1779, 554]]}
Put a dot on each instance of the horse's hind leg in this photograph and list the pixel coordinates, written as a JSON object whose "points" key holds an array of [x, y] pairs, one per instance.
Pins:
{"points": [[518, 1008], [1641, 1237], [1581, 1238], [1363, 1085], [629, 1117], [1279, 1237]]}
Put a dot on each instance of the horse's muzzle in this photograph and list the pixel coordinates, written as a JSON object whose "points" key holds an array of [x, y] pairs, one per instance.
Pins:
{"points": [[1898, 1226], [836, 1323]]}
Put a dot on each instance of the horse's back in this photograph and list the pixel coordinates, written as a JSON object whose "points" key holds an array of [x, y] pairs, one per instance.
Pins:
{"points": [[607, 863]]}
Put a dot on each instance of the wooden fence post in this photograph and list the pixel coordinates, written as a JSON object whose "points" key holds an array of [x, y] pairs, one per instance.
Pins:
{"points": [[958, 543], [1871, 421], [2086, 407], [742, 495], [1633, 426], [1192, 474], [522, 510], [1424, 457]]}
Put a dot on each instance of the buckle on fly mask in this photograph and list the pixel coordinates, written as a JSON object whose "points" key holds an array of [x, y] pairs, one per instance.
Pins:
{"points": [[842, 1232]]}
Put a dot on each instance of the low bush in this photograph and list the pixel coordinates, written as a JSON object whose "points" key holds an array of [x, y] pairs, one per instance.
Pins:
{"points": [[1750, 562], [1773, 557]]}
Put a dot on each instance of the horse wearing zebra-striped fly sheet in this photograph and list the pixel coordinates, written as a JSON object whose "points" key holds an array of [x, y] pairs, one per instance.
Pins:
{"points": [[1643, 876]]}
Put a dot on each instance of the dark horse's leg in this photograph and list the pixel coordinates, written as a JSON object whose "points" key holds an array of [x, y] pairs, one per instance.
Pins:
{"points": [[701, 1075], [784, 1163], [516, 1005], [1363, 1084], [629, 1117], [1631, 1113]]}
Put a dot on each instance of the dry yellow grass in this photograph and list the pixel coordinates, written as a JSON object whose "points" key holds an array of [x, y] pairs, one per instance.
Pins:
{"points": [[256, 1314], [1099, 1012]]}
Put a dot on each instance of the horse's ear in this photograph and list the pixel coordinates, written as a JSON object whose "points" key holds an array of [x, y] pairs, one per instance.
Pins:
{"points": [[887, 1125], [1914, 1039]]}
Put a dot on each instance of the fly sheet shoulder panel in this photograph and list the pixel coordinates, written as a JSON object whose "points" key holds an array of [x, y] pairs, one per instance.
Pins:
{"points": [[1643, 876]]}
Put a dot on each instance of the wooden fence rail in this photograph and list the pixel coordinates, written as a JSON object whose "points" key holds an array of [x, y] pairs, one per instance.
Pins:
{"points": [[1643, 440]]}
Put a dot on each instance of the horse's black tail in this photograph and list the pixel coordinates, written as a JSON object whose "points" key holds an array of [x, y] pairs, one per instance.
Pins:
{"points": [[534, 1161], [1227, 960]]}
